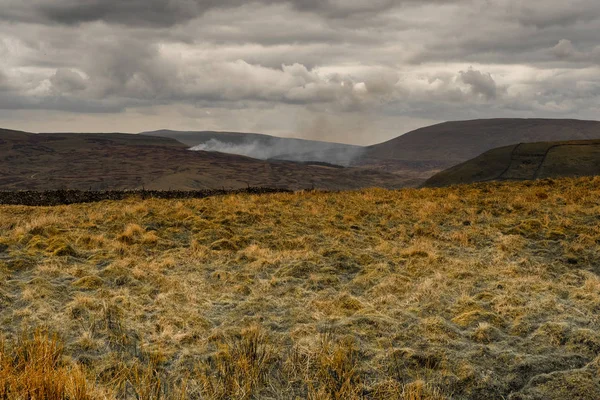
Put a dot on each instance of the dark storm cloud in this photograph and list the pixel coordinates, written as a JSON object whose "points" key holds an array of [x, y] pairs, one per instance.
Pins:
{"points": [[166, 13], [144, 12]]}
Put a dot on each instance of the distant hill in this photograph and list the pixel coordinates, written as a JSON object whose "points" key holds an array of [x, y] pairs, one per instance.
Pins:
{"points": [[415, 156], [123, 161], [161, 159], [428, 150], [526, 161], [265, 147]]}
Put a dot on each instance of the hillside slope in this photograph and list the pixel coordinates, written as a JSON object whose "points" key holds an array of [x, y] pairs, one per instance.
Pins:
{"points": [[415, 156], [121, 161], [434, 148], [526, 161]]}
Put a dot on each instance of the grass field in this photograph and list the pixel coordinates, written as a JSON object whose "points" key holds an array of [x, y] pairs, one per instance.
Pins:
{"points": [[478, 292], [525, 161]]}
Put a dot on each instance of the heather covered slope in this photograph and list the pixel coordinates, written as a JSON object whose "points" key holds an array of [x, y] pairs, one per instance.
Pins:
{"points": [[526, 161], [121, 161], [9, 135], [415, 156], [434, 148], [469, 292]]}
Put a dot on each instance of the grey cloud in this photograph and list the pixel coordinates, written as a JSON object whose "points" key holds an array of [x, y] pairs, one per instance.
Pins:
{"points": [[480, 83], [564, 49], [4, 82], [509, 31], [69, 12], [66, 80], [345, 8], [12, 101], [544, 14], [165, 13], [372, 60]]}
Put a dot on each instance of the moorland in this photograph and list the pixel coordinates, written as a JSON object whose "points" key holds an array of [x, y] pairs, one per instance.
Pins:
{"points": [[162, 160], [116, 161], [484, 291]]}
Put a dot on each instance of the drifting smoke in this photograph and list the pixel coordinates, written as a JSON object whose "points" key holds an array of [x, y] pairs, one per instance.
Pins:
{"points": [[287, 149], [252, 149]]}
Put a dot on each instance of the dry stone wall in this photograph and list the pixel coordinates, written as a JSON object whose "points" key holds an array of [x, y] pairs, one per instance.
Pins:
{"points": [[61, 197]]}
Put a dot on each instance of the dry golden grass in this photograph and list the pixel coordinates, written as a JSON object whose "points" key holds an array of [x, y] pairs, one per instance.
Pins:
{"points": [[486, 291], [32, 369]]}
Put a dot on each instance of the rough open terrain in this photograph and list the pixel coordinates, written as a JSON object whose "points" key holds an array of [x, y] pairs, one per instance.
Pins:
{"points": [[489, 291], [112, 161]]}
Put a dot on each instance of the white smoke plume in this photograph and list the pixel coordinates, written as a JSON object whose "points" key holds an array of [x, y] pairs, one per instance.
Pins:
{"points": [[290, 150]]}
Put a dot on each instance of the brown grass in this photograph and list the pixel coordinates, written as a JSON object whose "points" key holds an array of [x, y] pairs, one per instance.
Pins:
{"points": [[32, 368], [484, 291]]}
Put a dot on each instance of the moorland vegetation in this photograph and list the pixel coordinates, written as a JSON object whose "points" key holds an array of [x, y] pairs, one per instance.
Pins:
{"points": [[467, 292]]}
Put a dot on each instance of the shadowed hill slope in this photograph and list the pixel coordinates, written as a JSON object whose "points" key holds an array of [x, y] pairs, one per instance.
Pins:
{"points": [[121, 161], [526, 161], [437, 147], [9, 134]]}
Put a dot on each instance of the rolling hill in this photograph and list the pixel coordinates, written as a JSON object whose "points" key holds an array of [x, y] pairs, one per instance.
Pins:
{"points": [[428, 150], [526, 161], [161, 159], [121, 161], [416, 155]]}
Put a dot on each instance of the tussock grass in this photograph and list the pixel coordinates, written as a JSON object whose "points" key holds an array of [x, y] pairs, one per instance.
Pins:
{"points": [[483, 291], [32, 368]]}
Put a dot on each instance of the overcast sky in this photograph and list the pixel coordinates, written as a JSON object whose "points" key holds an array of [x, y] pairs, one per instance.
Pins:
{"points": [[355, 71]]}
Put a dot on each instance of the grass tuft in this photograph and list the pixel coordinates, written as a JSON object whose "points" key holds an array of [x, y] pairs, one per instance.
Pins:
{"points": [[33, 368]]}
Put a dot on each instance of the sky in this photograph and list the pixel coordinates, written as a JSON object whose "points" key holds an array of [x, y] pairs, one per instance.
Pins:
{"points": [[352, 71]]}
